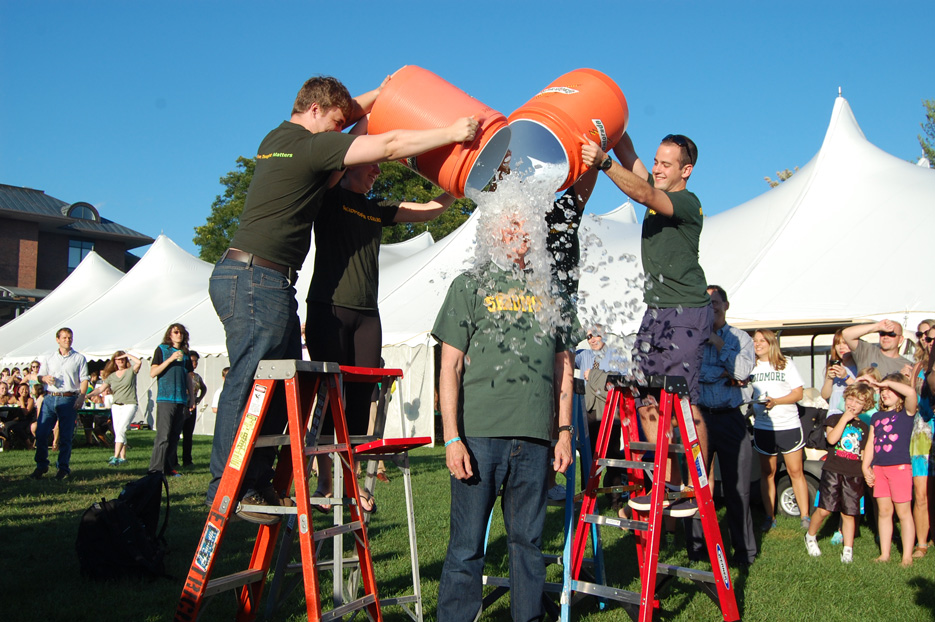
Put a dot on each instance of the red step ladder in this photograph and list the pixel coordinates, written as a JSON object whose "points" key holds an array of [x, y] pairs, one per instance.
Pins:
{"points": [[310, 388], [671, 393]]}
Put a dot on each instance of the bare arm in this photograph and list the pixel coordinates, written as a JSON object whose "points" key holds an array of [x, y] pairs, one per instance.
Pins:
{"points": [[449, 392], [631, 177], [867, 460], [563, 380], [363, 104], [135, 363], [791, 398], [852, 334], [398, 144], [158, 369], [423, 212], [833, 434]]}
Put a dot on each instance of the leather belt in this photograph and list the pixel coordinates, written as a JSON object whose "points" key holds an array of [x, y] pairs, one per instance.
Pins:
{"points": [[253, 260], [720, 411], [65, 394]]}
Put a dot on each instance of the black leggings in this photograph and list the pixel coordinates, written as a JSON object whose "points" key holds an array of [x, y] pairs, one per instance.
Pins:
{"points": [[347, 337]]}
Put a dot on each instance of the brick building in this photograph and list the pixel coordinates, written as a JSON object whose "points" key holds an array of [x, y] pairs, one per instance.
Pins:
{"points": [[42, 239]]}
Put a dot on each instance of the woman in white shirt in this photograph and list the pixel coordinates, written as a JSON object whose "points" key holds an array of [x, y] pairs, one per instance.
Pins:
{"points": [[777, 387]]}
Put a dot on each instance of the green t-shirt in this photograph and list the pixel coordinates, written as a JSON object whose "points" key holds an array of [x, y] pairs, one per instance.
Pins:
{"points": [[347, 249], [669, 247], [507, 386], [290, 179], [124, 388]]}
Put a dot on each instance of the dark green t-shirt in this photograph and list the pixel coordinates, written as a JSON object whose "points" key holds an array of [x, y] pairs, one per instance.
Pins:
{"points": [[507, 387], [347, 249], [290, 179], [669, 247]]}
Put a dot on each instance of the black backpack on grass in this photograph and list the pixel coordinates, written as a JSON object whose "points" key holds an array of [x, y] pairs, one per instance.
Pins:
{"points": [[119, 538]]}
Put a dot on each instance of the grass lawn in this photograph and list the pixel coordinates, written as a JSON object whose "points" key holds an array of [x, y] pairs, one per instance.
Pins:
{"points": [[39, 523]]}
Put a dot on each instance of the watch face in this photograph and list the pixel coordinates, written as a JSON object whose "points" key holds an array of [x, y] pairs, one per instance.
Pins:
{"points": [[606, 164]]}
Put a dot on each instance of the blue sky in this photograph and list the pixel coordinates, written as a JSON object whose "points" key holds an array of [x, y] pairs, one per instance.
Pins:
{"points": [[140, 107]]}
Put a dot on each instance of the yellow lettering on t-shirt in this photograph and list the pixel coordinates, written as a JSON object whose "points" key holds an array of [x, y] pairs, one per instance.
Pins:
{"points": [[351, 210], [512, 301], [276, 154]]}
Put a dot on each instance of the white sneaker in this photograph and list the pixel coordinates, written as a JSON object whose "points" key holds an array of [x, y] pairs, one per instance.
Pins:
{"points": [[811, 543], [847, 556]]}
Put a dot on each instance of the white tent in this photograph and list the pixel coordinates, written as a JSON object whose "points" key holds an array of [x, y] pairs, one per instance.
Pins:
{"points": [[783, 256], [84, 285]]}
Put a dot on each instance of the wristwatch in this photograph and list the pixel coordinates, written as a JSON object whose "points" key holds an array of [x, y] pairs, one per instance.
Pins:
{"points": [[569, 428], [606, 163]]}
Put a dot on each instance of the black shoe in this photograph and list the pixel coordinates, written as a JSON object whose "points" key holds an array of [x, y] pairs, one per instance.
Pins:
{"points": [[62, 475], [39, 472]]}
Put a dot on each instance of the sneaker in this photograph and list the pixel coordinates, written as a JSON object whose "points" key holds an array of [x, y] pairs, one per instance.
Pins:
{"points": [[837, 538], [847, 556], [769, 523], [112, 461], [62, 474], [644, 503], [806, 522], [173, 473], [683, 508], [556, 493], [39, 472], [811, 543]]}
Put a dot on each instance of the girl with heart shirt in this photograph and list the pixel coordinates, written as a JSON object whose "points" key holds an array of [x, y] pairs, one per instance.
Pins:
{"points": [[888, 467]]}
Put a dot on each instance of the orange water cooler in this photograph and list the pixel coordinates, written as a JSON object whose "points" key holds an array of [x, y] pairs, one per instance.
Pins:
{"points": [[416, 98]]}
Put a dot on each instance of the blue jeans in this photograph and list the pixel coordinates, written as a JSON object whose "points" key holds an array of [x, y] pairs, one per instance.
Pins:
{"points": [[61, 409], [260, 315], [520, 467]]}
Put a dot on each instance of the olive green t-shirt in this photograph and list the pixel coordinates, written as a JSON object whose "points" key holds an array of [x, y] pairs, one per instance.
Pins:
{"points": [[124, 388], [290, 179], [507, 386], [669, 247], [347, 249]]}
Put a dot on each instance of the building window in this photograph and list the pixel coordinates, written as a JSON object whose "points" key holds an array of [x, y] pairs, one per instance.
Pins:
{"points": [[83, 211], [78, 250]]}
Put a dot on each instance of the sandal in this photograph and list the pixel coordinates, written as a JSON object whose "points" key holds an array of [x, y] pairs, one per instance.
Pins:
{"points": [[920, 551], [324, 509], [366, 498]]}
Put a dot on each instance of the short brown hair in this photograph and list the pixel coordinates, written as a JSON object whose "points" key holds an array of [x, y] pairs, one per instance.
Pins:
{"points": [[325, 91]]}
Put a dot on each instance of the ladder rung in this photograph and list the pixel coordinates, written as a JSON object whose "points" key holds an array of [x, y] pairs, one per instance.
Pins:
{"points": [[331, 532], [686, 573], [625, 464], [622, 523], [233, 581], [604, 591], [398, 600], [325, 449], [343, 610], [321, 564], [269, 509], [610, 489], [674, 448], [272, 440]]}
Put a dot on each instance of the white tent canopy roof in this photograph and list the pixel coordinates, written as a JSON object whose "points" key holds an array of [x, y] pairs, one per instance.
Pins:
{"points": [[88, 282], [828, 243]]}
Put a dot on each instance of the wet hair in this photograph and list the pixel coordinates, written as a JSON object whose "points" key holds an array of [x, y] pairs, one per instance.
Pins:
{"points": [[776, 358], [325, 91], [863, 392], [900, 378], [720, 290], [167, 338]]}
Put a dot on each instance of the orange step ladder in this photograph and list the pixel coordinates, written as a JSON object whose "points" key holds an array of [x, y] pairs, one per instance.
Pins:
{"points": [[671, 393], [310, 388]]}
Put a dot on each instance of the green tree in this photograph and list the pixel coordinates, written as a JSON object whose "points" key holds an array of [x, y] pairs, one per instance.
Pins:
{"points": [[399, 183], [215, 235], [782, 176], [927, 138]]}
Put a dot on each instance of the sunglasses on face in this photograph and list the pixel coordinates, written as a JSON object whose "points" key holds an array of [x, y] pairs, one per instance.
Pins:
{"points": [[889, 334], [927, 339]]}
